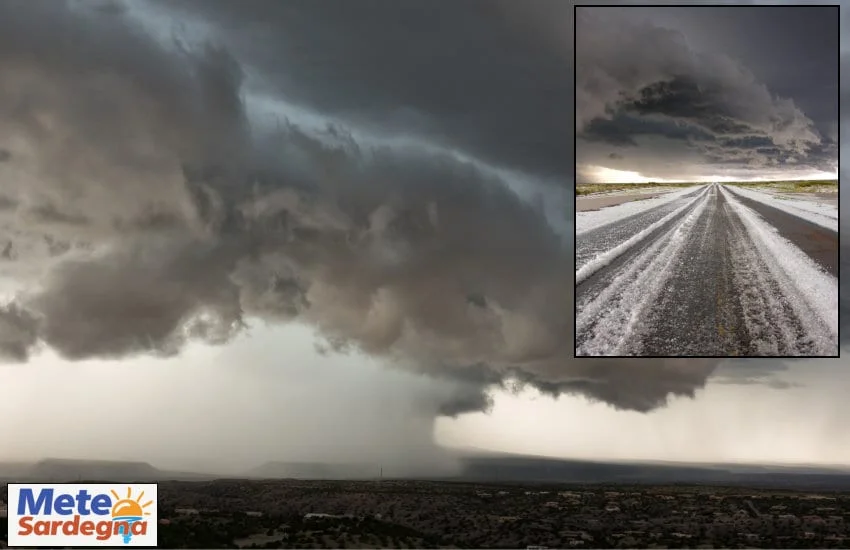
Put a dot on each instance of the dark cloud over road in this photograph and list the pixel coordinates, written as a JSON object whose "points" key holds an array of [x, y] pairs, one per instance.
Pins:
{"points": [[746, 92]]}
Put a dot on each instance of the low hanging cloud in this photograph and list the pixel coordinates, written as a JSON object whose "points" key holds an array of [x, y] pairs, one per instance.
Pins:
{"points": [[418, 259], [637, 81], [18, 332], [160, 215]]}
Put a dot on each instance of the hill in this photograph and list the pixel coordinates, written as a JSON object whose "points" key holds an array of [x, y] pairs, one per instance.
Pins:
{"points": [[476, 466], [507, 467], [68, 470]]}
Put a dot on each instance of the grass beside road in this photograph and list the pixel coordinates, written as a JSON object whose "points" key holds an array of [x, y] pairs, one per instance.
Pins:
{"points": [[789, 186], [800, 186], [591, 188]]}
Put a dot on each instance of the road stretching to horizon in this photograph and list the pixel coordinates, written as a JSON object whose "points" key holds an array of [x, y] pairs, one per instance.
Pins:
{"points": [[711, 270]]}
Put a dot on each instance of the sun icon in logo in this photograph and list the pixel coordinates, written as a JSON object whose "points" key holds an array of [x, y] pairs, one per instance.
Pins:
{"points": [[129, 510]]}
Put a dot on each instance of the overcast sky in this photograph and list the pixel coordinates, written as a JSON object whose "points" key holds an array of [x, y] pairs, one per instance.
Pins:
{"points": [[707, 93], [250, 231]]}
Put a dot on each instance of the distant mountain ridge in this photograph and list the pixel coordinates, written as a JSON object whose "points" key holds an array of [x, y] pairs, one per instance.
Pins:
{"points": [[488, 467], [482, 466], [68, 470]]}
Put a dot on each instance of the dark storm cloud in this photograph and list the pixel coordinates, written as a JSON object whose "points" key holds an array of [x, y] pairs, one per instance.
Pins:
{"points": [[193, 221], [466, 397], [382, 254], [488, 77], [632, 389], [607, 131], [792, 50], [759, 143], [658, 65], [623, 128], [18, 332]]}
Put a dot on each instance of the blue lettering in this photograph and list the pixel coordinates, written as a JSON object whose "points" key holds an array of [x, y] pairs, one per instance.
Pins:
{"points": [[101, 505], [82, 499], [64, 505], [27, 501]]}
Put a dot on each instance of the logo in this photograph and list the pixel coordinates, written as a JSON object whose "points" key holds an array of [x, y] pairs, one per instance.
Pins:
{"points": [[87, 514]]}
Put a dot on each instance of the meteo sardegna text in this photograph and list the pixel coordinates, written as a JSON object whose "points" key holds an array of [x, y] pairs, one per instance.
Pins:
{"points": [[44, 514]]}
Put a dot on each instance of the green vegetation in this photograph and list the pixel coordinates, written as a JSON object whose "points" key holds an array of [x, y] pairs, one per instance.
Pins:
{"points": [[785, 186], [591, 188], [799, 186]]}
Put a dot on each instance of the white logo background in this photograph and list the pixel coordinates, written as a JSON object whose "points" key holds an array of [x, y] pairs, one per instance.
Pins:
{"points": [[148, 492]]}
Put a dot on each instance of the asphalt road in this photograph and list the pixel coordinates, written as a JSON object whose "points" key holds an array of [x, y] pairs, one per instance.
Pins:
{"points": [[708, 274]]}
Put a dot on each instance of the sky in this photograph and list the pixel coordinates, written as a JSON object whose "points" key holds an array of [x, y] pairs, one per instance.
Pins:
{"points": [[709, 93], [242, 232]]}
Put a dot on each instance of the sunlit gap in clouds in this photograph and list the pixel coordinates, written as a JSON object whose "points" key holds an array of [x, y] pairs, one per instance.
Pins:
{"points": [[601, 174], [609, 175]]}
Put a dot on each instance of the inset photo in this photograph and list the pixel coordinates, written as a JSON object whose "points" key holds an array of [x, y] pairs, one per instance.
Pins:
{"points": [[707, 181]]}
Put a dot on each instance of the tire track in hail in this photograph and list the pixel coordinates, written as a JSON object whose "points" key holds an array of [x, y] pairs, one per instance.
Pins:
{"points": [[612, 301]]}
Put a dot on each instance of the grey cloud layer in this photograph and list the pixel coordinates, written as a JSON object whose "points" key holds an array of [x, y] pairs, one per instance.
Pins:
{"points": [[637, 78], [164, 217], [489, 77]]}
